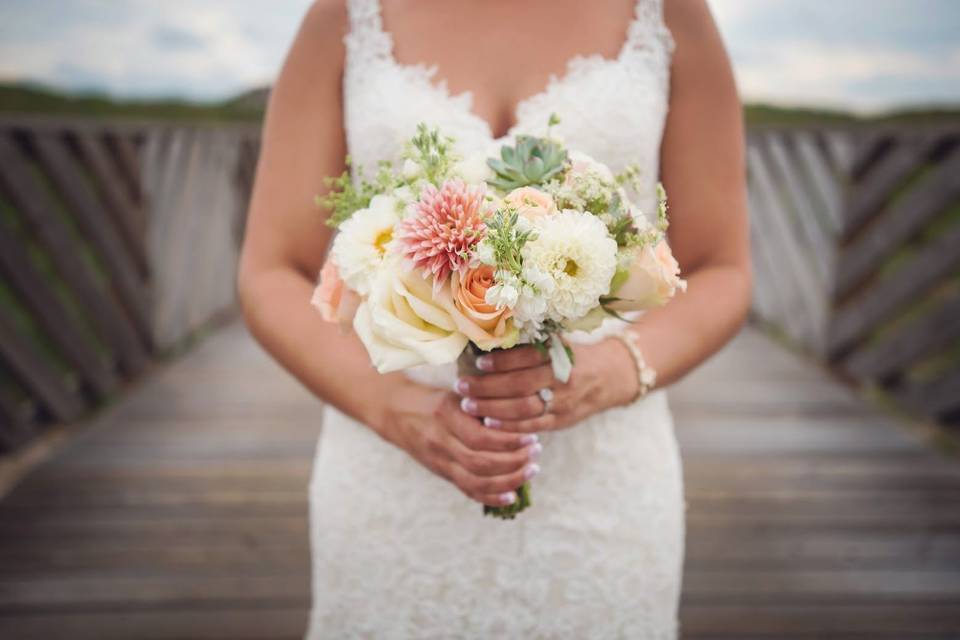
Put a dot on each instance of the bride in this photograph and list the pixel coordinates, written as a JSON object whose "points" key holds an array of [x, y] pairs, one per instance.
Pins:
{"points": [[400, 549]]}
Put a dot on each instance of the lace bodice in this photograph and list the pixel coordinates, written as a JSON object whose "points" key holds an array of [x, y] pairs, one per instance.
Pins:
{"points": [[610, 108], [400, 553]]}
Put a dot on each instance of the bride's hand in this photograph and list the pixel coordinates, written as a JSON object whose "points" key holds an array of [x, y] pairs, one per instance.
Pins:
{"points": [[507, 398], [484, 464]]}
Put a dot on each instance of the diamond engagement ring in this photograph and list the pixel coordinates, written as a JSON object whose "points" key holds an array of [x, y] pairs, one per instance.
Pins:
{"points": [[546, 394]]}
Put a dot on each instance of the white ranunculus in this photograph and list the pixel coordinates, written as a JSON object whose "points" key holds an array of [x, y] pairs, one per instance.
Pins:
{"points": [[575, 252], [402, 326], [363, 241]]}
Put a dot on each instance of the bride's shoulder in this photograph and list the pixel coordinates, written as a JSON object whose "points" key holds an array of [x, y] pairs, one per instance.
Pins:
{"points": [[318, 43], [694, 31], [687, 19], [323, 26]]}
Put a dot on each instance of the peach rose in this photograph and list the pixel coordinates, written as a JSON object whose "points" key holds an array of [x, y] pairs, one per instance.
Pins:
{"points": [[531, 203], [336, 302], [482, 323], [653, 279]]}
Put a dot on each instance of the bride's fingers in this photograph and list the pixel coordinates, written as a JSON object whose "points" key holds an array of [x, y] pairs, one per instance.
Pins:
{"points": [[547, 422], [484, 489], [471, 434], [510, 384], [486, 464], [510, 359], [504, 408]]}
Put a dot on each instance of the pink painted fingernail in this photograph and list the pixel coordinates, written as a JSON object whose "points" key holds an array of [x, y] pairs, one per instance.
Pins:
{"points": [[485, 363], [531, 470], [508, 498], [461, 386], [530, 438], [493, 423], [469, 405], [534, 452]]}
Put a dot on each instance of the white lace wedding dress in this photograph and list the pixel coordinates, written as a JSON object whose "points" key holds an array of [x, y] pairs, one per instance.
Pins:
{"points": [[401, 553]]}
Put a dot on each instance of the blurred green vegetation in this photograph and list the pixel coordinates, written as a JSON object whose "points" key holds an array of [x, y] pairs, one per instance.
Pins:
{"points": [[40, 100], [249, 107]]}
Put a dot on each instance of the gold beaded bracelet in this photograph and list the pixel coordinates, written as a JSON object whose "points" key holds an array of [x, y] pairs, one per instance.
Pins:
{"points": [[646, 375]]}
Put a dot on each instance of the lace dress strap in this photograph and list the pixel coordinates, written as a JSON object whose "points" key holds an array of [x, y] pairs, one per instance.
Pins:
{"points": [[648, 32], [366, 40]]}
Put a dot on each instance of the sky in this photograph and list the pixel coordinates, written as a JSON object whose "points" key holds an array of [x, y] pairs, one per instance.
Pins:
{"points": [[865, 55]]}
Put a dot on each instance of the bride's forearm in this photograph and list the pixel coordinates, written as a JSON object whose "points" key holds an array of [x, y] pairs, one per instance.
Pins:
{"points": [[334, 366], [676, 338]]}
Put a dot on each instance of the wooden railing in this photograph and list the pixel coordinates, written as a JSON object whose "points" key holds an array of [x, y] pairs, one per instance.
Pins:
{"points": [[856, 245], [116, 243]]}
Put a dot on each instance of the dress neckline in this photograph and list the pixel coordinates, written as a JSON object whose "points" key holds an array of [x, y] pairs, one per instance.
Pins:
{"points": [[425, 74]]}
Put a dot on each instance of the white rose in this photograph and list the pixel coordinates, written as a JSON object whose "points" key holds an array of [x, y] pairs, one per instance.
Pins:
{"points": [[402, 326]]}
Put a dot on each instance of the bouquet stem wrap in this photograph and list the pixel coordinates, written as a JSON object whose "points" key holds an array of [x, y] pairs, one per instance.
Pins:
{"points": [[467, 366]]}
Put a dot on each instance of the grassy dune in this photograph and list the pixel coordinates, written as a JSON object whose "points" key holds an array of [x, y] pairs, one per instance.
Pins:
{"points": [[249, 106]]}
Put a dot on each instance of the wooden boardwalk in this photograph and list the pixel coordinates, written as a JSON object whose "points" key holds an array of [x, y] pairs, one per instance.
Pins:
{"points": [[181, 513]]}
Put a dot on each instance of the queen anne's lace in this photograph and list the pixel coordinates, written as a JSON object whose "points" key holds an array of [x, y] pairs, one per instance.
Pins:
{"points": [[400, 553]]}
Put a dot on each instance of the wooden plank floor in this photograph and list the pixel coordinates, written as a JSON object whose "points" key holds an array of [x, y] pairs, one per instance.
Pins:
{"points": [[181, 512]]}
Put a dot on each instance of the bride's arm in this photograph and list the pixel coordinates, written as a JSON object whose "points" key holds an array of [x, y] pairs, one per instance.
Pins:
{"points": [[702, 168], [286, 237], [283, 249]]}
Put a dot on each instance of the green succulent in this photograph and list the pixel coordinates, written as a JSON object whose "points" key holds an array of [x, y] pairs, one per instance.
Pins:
{"points": [[531, 161]]}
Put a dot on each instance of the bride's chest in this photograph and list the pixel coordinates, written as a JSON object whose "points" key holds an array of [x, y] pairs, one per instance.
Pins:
{"points": [[610, 108]]}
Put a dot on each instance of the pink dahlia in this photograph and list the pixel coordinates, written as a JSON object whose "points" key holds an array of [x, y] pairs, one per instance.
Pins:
{"points": [[446, 225]]}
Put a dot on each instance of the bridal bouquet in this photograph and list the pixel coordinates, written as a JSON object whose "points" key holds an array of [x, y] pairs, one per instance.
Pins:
{"points": [[443, 257]]}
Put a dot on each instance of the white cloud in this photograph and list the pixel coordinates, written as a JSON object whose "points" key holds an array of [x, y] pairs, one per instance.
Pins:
{"points": [[814, 73], [201, 49], [867, 54]]}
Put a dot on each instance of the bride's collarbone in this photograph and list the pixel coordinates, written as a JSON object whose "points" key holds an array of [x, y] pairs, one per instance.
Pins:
{"points": [[502, 53]]}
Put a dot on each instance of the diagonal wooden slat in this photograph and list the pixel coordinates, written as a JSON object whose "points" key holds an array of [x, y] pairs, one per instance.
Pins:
{"points": [[860, 315], [126, 215], [839, 148], [868, 196], [926, 200], [96, 226], [916, 339], [36, 375], [808, 303], [828, 187], [771, 292], [49, 311], [784, 165], [867, 149], [29, 197]]}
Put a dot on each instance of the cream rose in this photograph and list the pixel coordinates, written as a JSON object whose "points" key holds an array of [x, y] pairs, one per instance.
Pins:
{"points": [[531, 203], [653, 278], [401, 325], [481, 322], [336, 302]]}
